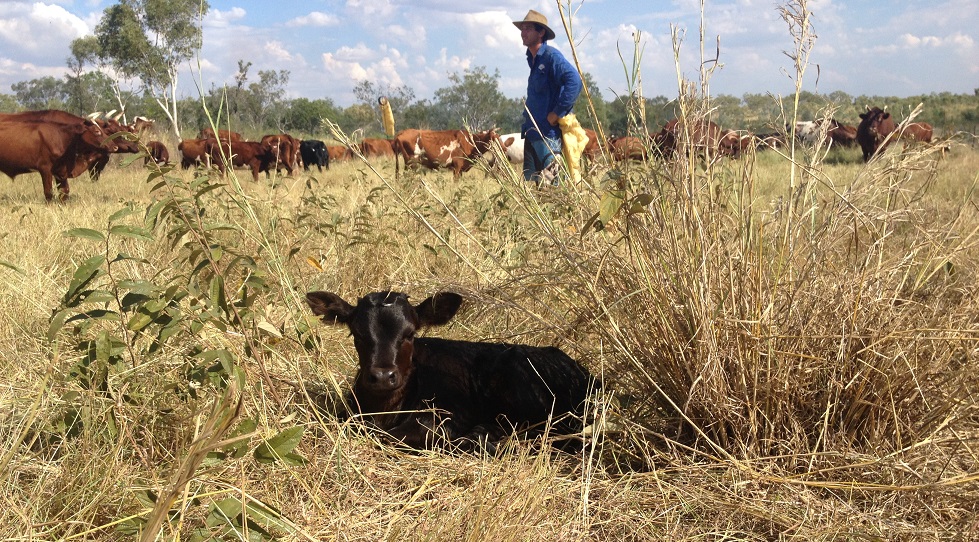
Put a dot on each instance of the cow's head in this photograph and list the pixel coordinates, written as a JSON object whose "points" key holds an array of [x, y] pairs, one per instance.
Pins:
{"points": [[92, 134], [383, 325], [483, 140]]}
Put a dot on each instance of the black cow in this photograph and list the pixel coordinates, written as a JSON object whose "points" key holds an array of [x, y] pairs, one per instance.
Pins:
{"points": [[313, 152], [872, 133], [427, 392]]}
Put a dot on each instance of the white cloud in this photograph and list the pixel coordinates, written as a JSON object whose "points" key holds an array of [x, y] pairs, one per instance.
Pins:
{"points": [[314, 19], [38, 32], [219, 19]]}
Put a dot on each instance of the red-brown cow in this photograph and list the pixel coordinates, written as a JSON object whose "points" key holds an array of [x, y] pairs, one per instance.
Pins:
{"points": [[109, 126], [127, 143], [158, 153], [427, 392], [842, 134], [253, 155], [193, 152], [450, 149], [702, 136], [872, 134], [285, 150], [374, 148], [917, 132], [627, 148], [338, 153], [592, 149], [222, 135], [58, 151]]}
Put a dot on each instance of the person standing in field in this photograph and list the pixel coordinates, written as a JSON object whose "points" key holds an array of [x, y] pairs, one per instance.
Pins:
{"points": [[552, 88]]}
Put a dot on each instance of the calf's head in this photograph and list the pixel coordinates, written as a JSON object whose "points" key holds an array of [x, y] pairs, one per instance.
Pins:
{"points": [[383, 325]]}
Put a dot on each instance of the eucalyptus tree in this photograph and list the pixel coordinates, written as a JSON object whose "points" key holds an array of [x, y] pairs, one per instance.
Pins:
{"points": [[148, 40]]}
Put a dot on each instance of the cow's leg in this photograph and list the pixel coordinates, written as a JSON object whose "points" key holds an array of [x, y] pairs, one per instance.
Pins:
{"points": [[47, 182], [63, 189]]}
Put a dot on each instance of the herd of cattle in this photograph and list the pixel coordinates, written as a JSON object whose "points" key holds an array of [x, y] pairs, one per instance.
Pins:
{"points": [[60, 146]]}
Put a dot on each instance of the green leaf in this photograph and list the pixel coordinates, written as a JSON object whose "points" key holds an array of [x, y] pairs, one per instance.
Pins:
{"points": [[135, 232], [279, 446], [97, 314], [57, 322], [12, 267], [610, 204], [85, 233], [121, 213], [88, 271]]}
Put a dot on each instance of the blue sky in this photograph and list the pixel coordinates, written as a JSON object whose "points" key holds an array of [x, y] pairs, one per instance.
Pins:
{"points": [[896, 48]]}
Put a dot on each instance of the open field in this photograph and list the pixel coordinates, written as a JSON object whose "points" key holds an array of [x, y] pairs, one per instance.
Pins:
{"points": [[791, 350]]}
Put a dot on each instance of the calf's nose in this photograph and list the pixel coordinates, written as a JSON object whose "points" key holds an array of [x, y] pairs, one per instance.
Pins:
{"points": [[383, 378]]}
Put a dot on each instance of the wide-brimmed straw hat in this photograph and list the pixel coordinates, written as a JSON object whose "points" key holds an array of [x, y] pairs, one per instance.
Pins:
{"points": [[537, 18]]}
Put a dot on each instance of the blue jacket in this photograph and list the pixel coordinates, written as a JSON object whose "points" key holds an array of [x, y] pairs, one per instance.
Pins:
{"points": [[553, 85]]}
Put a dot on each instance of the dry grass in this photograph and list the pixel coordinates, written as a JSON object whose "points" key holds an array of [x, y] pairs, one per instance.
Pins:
{"points": [[785, 367]]}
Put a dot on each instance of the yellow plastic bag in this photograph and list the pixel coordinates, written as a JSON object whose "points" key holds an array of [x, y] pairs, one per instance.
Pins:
{"points": [[387, 116], [573, 139]]}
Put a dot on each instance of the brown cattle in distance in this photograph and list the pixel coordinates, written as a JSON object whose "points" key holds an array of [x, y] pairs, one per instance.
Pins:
{"points": [[702, 136], [222, 135], [435, 149], [338, 153], [57, 151], [158, 153], [917, 132], [592, 149], [253, 155], [872, 133], [627, 148], [374, 148], [109, 126], [285, 151], [193, 152]]}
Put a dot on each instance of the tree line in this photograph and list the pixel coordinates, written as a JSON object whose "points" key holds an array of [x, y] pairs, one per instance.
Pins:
{"points": [[256, 104]]}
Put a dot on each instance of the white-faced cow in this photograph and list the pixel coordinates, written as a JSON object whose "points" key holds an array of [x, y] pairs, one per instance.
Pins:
{"points": [[426, 392]]}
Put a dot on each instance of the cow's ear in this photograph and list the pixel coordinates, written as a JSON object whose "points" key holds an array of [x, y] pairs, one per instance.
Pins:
{"points": [[886, 115], [330, 307], [438, 309]]}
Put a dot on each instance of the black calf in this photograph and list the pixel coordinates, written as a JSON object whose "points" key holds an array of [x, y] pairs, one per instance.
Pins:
{"points": [[426, 391]]}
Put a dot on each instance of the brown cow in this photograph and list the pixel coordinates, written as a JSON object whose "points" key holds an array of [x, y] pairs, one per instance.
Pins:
{"points": [[875, 126], [285, 150], [372, 147], [733, 144], [450, 149], [109, 125], [58, 151], [627, 148], [223, 135], [158, 153], [141, 125], [842, 134], [338, 153], [592, 149], [917, 132], [702, 136], [253, 155], [193, 152]]}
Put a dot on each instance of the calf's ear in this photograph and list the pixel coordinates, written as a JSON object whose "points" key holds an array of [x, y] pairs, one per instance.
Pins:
{"points": [[331, 307], [438, 309]]}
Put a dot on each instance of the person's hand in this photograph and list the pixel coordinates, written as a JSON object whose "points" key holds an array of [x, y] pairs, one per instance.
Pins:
{"points": [[552, 118]]}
